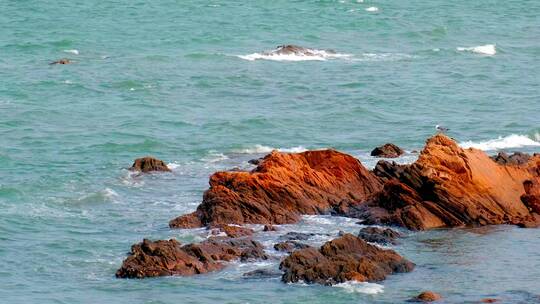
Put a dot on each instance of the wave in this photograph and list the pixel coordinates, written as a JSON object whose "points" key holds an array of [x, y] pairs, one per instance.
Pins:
{"points": [[259, 149], [372, 9], [361, 287], [294, 53], [75, 52], [508, 142], [488, 49]]}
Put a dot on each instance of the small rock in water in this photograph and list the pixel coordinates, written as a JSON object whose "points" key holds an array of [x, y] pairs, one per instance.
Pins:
{"points": [[289, 246], [388, 151], [149, 164], [296, 236], [427, 296], [61, 61], [261, 274], [379, 235], [269, 228], [233, 231]]}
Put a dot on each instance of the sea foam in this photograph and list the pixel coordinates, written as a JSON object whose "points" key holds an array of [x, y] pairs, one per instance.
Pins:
{"points": [[310, 55], [508, 142], [488, 49], [259, 149], [75, 52], [372, 9], [361, 287]]}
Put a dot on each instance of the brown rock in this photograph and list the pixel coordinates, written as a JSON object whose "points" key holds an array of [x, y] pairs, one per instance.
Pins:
{"points": [[289, 246], [164, 258], [531, 198], [269, 228], [342, 259], [282, 188], [427, 296], [489, 300], [61, 61], [449, 186], [379, 235], [388, 151], [234, 231], [148, 164]]}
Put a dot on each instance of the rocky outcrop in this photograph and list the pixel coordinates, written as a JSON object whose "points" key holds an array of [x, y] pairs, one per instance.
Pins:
{"points": [[282, 188], [449, 186], [388, 151], [149, 164], [427, 296], [165, 258], [382, 236], [342, 259]]}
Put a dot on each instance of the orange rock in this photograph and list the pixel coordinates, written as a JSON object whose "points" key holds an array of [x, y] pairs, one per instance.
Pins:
{"points": [[427, 296], [449, 186], [282, 188]]}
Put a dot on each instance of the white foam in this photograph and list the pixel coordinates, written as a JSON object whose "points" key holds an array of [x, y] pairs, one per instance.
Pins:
{"points": [[488, 49], [75, 52], [361, 287], [260, 149], [383, 57], [173, 166], [214, 157], [372, 9], [510, 141], [310, 54]]}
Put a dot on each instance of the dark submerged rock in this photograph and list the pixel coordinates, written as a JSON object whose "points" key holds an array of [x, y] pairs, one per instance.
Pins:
{"points": [[388, 151], [343, 259], [262, 274], [379, 235], [289, 246], [149, 164], [427, 296], [61, 61]]}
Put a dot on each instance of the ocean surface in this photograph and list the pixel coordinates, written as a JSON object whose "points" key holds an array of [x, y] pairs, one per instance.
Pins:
{"points": [[190, 83]]}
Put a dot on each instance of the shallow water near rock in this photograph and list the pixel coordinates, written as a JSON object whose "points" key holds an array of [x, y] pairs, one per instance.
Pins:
{"points": [[167, 79]]}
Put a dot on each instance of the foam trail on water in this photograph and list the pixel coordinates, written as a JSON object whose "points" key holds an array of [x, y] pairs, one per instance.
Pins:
{"points": [[488, 49], [309, 55], [259, 149], [508, 142], [361, 287]]}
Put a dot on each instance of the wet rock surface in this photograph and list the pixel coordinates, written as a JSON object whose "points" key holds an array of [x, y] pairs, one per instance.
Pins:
{"points": [[343, 259], [289, 246], [149, 164], [169, 257], [387, 151], [233, 231], [282, 188], [382, 236], [517, 158]]}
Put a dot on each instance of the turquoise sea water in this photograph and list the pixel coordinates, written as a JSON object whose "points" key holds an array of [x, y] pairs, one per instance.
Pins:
{"points": [[166, 78]]}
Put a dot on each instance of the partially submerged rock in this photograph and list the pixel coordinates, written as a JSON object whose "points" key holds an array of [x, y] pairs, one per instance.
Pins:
{"points": [[343, 259], [379, 235], [269, 228], [165, 258], [449, 186], [289, 246], [388, 151], [233, 231], [61, 61], [298, 236], [262, 274], [427, 296], [149, 164], [282, 188]]}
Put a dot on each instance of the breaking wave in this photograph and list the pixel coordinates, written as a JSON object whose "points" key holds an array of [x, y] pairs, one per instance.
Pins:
{"points": [[488, 49], [304, 55], [361, 287], [508, 142], [259, 149]]}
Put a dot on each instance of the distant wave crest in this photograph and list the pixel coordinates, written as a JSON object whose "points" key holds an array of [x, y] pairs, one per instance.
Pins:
{"points": [[259, 149], [299, 54], [508, 142], [488, 49]]}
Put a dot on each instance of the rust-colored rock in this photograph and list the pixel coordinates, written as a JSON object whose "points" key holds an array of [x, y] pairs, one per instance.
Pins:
{"points": [[289, 246], [165, 258], [449, 186], [148, 164], [388, 151], [234, 231], [531, 198], [343, 259], [282, 188], [427, 296]]}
